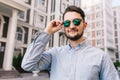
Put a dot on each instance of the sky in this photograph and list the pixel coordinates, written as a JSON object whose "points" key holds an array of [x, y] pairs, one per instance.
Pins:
{"points": [[114, 2]]}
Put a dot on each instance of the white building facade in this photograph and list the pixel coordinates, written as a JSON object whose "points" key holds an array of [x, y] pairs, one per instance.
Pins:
{"points": [[21, 19], [56, 11], [116, 13], [100, 30], [9, 11]]}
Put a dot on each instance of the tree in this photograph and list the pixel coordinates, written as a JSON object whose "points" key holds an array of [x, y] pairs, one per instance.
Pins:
{"points": [[117, 64], [17, 62]]}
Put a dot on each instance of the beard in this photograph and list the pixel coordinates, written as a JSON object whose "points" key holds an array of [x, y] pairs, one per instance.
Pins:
{"points": [[78, 36]]}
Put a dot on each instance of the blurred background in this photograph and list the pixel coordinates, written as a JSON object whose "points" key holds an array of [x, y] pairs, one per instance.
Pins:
{"points": [[21, 19]]}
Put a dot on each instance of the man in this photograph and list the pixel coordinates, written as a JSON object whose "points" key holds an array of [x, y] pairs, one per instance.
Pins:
{"points": [[74, 61]]}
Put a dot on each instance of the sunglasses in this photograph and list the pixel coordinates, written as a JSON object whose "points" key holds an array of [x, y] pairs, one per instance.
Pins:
{"points": [[76, 22]]}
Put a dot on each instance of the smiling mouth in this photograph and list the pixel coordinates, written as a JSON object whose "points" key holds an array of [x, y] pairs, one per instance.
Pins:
{"points": [[73, 31]]}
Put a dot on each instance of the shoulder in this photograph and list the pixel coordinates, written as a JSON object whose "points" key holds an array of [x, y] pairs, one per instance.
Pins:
{"points": [[57, 49], [95, 49], [97, 52]]}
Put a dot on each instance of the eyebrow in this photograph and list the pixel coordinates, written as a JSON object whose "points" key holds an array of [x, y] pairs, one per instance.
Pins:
{"points": [[73, 19]]}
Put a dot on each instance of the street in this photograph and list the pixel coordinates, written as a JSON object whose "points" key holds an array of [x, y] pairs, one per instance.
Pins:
{"points": [[28, 76]]}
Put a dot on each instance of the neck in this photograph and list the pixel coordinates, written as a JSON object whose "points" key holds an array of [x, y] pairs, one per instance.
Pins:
{"points": [[75, 43]]}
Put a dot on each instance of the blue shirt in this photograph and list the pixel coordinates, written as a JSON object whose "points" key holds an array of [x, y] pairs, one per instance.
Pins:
{"points": [[83, 62]]}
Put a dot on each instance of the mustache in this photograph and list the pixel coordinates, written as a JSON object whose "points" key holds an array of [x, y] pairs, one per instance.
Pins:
{"points": [[73, 29]]}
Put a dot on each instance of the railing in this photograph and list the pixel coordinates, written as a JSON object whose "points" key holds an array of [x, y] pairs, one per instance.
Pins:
{"points": [[35, 73]]}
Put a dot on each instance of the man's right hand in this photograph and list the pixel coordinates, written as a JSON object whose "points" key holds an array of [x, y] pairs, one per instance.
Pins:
{"points": [[53, 27]]}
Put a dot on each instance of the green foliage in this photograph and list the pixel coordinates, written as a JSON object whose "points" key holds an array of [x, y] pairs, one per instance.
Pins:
{"points": [[117, 64], [17, 62]]}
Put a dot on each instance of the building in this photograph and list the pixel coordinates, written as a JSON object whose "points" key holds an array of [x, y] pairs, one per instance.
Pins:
{"points": [[116, 12], [21, 19], [9, 11], [56, 11], [100, 30]]}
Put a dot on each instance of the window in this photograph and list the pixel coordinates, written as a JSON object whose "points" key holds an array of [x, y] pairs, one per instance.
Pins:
{"points": [[28, 16], [89, 42], [60, 17], [117, 54], [25, 34], [51, 41], [41, 18], [41, 2], [115, 21], [98, 33], [52, 17], [98, 15], [5, 21], [116, 40], [114, 13], [77, 2], [63, 7], [98, 6], [1, 25], [61, 39], [89, 35], [89, 26], [53, 5], [88, 17], [34, 33], [27, 1], [19, 34], [115, 26], [0, 22], [22, 15], [2, 47], [116, 33], [42, 5], [99, 42], [17, 52], [98, 24]]}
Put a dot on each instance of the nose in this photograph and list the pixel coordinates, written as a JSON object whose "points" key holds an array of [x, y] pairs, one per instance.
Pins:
{"points": [[71, 25]]}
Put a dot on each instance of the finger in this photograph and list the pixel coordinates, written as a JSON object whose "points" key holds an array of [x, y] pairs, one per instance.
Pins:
{"points": [[59, 26], [58, 22]]}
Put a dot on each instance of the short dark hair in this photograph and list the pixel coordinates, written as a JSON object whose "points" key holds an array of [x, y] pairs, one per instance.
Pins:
{"points": [[74, 9]]}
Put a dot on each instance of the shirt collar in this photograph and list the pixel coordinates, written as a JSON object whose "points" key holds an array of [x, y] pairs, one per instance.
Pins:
{"points": [[79, 45]]}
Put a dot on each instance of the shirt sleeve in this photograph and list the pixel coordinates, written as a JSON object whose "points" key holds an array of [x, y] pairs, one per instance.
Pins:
{"points": [[36, 58], [108, 70]]}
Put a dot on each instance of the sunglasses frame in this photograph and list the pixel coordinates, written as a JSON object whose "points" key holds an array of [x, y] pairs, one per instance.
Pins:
{"points": [[75, 21]]}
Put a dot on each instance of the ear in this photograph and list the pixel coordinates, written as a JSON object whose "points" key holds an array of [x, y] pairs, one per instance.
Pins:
{"points": [[85, 25]]}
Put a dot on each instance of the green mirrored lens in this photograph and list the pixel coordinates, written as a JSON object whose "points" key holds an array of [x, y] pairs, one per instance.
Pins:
{"points": [[66, 23], [76, 22]]}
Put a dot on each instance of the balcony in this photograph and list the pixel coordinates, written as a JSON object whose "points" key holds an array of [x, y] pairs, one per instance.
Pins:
{"points": [[17, 4]]}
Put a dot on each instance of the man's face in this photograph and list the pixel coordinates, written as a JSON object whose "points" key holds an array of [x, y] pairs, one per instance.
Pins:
{"points": [[73, 26]]}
